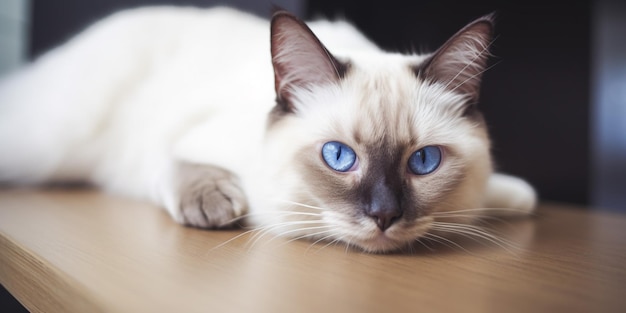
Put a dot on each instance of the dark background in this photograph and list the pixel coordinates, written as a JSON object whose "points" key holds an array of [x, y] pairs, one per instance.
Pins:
{"points": [[545, 101]]}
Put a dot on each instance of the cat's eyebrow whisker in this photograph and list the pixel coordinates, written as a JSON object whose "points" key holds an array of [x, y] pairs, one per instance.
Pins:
{"points": [[473, 76], [471, 63]]}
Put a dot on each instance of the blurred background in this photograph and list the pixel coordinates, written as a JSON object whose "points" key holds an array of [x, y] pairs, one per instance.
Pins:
{"points": [[555, 102]]}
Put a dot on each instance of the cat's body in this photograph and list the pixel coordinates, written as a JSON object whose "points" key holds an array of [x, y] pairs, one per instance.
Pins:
{"points": [[171, 105]]}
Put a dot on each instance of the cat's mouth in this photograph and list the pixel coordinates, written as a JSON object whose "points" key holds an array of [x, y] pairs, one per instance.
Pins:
{"points": [[382, 243], [394, 238]]}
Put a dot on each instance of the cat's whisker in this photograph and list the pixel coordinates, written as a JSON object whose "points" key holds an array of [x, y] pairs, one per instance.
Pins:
{"points": [[461, 226], [478, 210], [270, 228], [482, 219], [263, 231], [474, 236], [270, 213], [424, 244], [310, 235], [348, 245], [333, 234], [444, 241], [260, 232], [468, 216], [298, 237], [482, 215], [253, 230], [231, 240], [473, 232], [300, 204], [285, 233], [486, 221], [331, 231], [335, 242]]}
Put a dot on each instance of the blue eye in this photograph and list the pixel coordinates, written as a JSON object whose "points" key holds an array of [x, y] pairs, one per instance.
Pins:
{"points": [[338, 156], [425, 161]]}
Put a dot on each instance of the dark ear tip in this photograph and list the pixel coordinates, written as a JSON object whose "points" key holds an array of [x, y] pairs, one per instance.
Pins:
{"points": [[491, 17], [489, 20], [278, 12], [484, 25]]}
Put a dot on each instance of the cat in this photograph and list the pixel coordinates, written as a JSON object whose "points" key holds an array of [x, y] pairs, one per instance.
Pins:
{"points": [[219, 116]]}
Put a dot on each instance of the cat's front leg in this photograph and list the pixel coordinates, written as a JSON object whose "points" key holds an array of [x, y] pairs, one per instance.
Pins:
{"points": [[208, 196]]}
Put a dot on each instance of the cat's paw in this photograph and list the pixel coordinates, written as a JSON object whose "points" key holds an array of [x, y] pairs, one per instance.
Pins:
{"points": [[209, 196], [509, 192]]}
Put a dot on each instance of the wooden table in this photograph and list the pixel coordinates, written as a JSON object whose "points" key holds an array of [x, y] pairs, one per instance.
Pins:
{"points": [[82, 251]]}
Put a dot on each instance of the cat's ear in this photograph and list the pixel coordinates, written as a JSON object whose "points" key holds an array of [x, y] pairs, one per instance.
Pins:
{"points": [[300, 60], [460, 62]]}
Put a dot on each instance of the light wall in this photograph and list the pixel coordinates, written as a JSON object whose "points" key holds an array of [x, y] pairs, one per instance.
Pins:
{"points": [[14, 25]]}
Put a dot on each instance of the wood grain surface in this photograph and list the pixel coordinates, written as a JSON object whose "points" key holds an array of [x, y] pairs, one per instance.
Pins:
{"points": [[83, 251]]}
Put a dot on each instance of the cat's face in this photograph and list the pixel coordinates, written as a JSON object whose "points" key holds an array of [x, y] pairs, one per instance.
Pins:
{"points": [[371, 151]]}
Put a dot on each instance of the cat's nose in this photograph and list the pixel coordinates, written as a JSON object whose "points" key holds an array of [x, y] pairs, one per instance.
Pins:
{"points": [[383, 208], [385, 217]]}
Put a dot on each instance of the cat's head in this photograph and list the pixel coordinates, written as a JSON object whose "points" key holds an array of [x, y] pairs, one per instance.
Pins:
{"points": [[368, 148]]}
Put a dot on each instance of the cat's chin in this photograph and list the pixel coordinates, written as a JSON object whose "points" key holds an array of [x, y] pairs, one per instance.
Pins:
{"points": [[383, 242]]}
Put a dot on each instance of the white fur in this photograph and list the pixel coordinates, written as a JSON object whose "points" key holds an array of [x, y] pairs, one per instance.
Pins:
{"points": [[504, 191], [141, 78], [123, 101], [146, 78]]}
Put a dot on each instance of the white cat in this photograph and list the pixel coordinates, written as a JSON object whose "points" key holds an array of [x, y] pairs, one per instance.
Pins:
{"points": [[215, 114]]}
